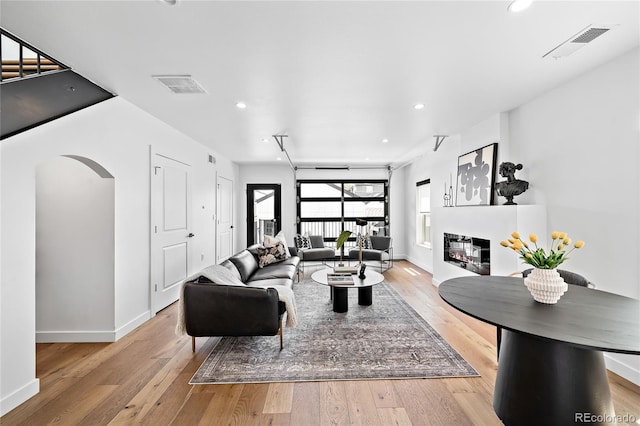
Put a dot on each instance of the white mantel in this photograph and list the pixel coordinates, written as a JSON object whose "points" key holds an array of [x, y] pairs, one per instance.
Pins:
{"points": [[493, 223]]}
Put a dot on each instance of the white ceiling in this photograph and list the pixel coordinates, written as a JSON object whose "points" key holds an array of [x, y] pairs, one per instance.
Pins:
{"points": [[337, 77]]}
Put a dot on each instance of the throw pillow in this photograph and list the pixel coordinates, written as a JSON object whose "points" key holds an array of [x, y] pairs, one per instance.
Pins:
{"points": [[269, 255], [269, 241], [302, 242], [317, 241], [218, 274], [280, 236], [272, 241]]}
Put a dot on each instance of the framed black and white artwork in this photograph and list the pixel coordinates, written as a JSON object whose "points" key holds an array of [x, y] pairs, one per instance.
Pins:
{"points": [[476, 176]]}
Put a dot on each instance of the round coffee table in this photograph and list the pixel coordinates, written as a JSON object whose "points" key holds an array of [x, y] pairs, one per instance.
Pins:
{"points": [[339, 293]]}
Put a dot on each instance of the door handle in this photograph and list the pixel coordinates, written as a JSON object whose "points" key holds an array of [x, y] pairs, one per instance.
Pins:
{"points": [[191, 235]]}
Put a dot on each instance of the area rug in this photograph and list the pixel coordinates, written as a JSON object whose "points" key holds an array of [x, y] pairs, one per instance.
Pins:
{"points": [[387, 340]]}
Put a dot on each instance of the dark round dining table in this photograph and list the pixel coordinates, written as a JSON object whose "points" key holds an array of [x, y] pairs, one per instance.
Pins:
{"points": [[551, 369]]}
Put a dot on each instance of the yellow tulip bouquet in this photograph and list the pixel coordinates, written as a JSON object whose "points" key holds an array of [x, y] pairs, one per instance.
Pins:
{"points": [[537, 256]]}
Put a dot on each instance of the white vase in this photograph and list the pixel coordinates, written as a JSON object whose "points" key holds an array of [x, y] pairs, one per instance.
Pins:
{"points": [[545, 285]]}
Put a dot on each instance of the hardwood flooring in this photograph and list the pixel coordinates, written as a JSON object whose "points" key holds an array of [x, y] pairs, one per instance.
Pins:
{"points": [[143, 379]]}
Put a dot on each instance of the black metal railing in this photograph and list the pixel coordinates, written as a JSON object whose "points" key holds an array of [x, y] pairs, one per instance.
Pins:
{"points": [[25, 60]]}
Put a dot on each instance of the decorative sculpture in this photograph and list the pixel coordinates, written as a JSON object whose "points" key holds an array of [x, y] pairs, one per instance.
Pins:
{"points": [[512, 186], [362, 276]]}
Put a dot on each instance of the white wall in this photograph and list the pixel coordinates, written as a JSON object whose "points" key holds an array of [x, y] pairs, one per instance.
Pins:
{"points": [[580, 147], [117, 135], [579, 144], [32, 386], [439, 166], [74, 252], [398, 213]]}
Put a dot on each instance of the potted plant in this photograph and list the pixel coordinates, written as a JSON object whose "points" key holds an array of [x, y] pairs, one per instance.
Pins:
{"points": [[342, 238], [544, 283]]}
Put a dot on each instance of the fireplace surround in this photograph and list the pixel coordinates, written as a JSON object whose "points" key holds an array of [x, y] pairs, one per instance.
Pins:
{"points": [[466, 252]]}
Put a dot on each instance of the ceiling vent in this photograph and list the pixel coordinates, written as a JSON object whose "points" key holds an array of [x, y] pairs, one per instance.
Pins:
{"points": [[180, 84], [587, 35]]}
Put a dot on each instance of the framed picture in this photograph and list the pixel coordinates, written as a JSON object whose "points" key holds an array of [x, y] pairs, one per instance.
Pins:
{"points": [[476, 176]]}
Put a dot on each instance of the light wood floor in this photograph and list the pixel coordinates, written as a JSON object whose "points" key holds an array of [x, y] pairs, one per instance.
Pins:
{"points": [[143, 379]]}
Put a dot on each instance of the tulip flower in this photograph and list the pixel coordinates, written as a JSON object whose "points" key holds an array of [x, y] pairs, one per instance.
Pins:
{"points": [[538, 257]]}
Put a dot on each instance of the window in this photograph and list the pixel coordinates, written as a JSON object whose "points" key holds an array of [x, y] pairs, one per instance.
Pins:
{"points": [[327, 207], [423, 213]]}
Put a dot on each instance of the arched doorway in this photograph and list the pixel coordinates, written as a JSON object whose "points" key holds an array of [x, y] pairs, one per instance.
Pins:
{"points": [[74, 251]]}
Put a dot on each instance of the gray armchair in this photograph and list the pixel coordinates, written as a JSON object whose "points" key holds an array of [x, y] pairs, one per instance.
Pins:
{"points": [[381, 251], [316, 253]]}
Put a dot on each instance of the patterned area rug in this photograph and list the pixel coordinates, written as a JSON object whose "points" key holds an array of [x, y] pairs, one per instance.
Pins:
{"points": [[387, 340]]}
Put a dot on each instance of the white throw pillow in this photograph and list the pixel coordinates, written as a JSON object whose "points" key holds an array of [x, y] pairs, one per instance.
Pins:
{"points": [[218, 274], [270, 241], [279, 238]]}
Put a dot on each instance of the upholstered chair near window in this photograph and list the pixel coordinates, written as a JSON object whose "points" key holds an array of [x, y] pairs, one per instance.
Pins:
{"points": [[312, 249], [380, 250]]}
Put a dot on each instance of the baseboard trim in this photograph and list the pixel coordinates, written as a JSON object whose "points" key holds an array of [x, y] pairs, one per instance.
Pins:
{"points": [[83, 336], [416, 262], [622, 369], [91, 336], [132, 325], [19, 397]]}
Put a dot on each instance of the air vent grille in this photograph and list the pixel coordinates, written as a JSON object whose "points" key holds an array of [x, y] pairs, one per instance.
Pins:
{"points": [[589, 35], [180, 84], [578, 41]]}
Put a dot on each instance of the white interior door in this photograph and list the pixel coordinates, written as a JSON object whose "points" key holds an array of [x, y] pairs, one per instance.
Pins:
{"points": [[225, 219], [170, 229]]}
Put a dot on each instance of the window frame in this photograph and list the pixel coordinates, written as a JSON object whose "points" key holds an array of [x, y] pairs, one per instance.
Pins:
{"points": [[421, 216], [342, 200]]}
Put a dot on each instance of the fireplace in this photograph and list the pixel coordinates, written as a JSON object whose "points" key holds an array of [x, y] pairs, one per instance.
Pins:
{"points": [[470, 253]]}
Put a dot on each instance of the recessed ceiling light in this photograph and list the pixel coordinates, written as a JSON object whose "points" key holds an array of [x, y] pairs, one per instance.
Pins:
{"points": [[170, 2], [279, 158], [519, 5], [265, 140], [241, 105], [366, 159], [418, 106], [385, 140]]}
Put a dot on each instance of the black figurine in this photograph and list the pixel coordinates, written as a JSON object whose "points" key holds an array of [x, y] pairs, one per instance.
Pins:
{"points": [[512, 186], [362, 276]]}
